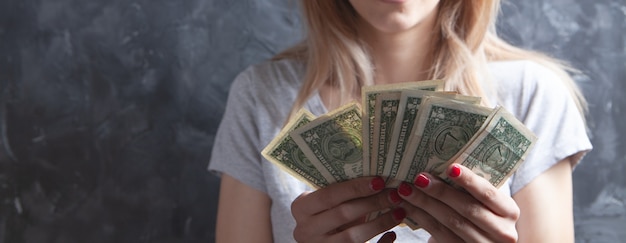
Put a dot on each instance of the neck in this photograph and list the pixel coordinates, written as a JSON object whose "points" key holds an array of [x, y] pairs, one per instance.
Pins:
{"points": [[404, 56]]}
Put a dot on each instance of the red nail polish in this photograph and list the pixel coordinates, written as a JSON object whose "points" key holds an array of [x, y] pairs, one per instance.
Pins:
{"points": [[421, 181], [404, 189], [455, 171], [377, 184], [394, 197], [399, 214], [391, 236]]}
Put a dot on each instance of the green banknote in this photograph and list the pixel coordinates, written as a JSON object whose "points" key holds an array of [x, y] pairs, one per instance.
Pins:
{"points": [[412, 131], [498, 149], [285, 153], [386, 109], [369, 94], [408, 108], [407, 113], [443, 127], [333, 143]]}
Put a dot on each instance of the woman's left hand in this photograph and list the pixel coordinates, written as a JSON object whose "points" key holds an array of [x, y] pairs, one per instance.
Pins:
{"points": [[481, 213]]}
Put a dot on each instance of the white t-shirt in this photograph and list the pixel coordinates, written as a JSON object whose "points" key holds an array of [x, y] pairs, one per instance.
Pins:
{"points": [[261, 97]]}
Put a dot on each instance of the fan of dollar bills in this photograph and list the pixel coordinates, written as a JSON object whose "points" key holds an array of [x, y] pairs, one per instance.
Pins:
{"points": [[402, 130]]}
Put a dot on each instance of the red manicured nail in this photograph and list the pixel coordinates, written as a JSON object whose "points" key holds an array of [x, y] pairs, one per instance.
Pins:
{"points": [[421, 181], [404, 189], [388, 237], [399, 214], [394, 197], [377, 184], [455, 171]]}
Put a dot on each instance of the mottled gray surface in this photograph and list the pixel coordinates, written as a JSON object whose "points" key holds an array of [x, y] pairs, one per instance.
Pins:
{"points": [[109, 108]]}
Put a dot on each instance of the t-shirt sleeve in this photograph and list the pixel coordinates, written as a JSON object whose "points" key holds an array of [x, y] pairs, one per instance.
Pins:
{"points": [[554, 117], [235, 151]]}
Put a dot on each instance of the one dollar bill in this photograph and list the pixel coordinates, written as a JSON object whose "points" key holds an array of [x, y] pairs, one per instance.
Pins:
{"points": [[369, 95], [285, 153], [497, 150], [333, 143], [443, 127], [408, 108]]}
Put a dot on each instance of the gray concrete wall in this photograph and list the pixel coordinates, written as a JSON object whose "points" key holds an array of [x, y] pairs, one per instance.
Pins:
{"points": [[108, 109]]}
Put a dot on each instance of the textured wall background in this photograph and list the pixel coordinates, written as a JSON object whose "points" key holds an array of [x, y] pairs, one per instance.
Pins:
{"points": [[108, 109]]}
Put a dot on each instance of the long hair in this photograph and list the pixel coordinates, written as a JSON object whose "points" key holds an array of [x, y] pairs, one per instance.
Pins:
{"points": [[464, 40]]}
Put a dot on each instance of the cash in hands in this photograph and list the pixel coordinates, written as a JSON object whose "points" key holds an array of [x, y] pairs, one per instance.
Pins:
{"points": [[398, 131]]}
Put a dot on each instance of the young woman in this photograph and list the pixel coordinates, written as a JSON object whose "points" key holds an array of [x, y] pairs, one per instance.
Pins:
{"points": [[354, 43]]}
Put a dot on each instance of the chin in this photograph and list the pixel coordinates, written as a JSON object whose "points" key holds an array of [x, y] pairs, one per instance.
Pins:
{"points": [[392, 16], [397, 25]]}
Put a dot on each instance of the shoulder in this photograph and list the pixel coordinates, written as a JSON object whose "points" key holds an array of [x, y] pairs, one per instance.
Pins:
{"points": [[269, 83], [265, 92], [272, 73], [524, 72], [263, 82], [527, 71], [523, 83]]}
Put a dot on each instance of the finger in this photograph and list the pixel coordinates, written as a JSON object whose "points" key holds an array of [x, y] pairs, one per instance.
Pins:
{"points": [[335, 194], [483, 191], [388, 237], [502, 208], [486, 222], [366, 231], [433, 200], [423, 219], [351, 211]]}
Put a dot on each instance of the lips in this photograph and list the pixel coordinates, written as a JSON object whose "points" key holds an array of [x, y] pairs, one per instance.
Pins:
{"points": [[394, 1]]}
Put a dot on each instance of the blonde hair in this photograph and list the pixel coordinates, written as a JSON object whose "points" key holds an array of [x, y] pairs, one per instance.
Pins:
{"points": [[465, 40]]}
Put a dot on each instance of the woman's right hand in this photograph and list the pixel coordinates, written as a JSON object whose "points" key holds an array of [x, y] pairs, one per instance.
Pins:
{"points": [[337, 212]]}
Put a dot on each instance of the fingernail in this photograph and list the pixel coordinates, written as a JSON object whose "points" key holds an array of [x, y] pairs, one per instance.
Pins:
{"points": [[421, 181], [399, 214], [404, 189], [455, 171], [394, 197], [377, 184], [389, 237]]}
